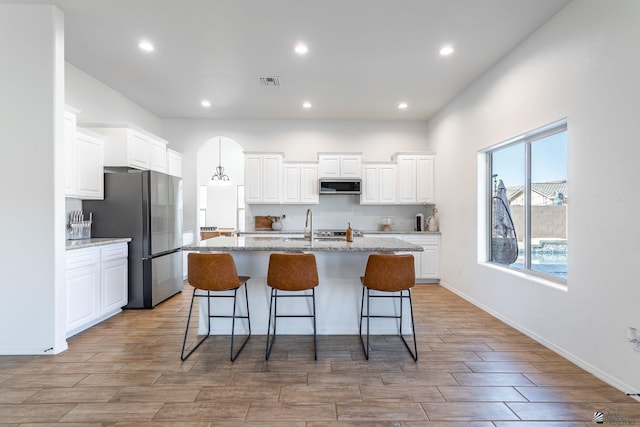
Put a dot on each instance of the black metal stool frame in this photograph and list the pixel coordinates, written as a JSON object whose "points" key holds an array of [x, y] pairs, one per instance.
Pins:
{"points": [[208, 295], [274, 302], [414, 353]]}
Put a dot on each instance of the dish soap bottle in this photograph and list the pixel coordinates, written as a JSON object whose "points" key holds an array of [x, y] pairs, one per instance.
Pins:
{"points": [[349, 233]]}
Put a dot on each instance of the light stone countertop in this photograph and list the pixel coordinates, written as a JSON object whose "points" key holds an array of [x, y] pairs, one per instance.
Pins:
{"points": [[96, 241], [267, 232], [279, 244], [397, 232]]}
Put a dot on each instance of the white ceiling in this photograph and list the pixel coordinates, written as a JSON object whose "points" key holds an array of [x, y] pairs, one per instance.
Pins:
{"points": [[365, 56]]}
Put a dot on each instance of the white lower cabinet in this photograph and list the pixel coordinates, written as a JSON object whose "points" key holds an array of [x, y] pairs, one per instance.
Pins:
{"points": [[83, 288], [427, 262], [97, 286], [429, 259]]}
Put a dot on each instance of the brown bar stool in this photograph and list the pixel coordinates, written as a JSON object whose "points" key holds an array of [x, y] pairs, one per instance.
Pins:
{"points": [[215, 273], [291, 272], [389, 273]]}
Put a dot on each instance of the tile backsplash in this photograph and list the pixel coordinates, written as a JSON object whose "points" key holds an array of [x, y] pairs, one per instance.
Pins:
{"points": [[336, 211]]}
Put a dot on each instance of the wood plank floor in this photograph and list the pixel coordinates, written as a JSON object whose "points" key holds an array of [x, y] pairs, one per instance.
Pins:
{"points": [[473, 370]]}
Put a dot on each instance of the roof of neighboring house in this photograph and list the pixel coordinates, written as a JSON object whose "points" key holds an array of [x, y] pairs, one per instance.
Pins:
{"points": [[546, 189]]}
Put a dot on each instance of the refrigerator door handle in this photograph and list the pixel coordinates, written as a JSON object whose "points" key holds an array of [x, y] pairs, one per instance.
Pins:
{"points": [[159, 254]]}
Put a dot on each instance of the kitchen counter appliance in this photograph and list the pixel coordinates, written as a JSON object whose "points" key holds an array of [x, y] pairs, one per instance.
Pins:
{"points": [[420, 222], [340, 186], [147, 207], [337, 233]]}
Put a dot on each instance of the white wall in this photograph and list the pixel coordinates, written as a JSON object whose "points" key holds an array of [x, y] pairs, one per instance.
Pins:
{"points": [[583, 65], [99, 103], [299, 140], [33, 239]]}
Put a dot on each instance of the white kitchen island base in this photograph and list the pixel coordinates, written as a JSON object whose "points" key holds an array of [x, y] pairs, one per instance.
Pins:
{"points": [[338, 296]]}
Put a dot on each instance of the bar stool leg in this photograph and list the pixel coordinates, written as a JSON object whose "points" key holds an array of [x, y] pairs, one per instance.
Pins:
{"points": [[365, 348], [183, 357], [315, 341], [275, 306], [414, 353], [233, 322]]}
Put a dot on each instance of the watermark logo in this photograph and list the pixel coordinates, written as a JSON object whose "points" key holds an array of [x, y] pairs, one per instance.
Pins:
{"points": [[605, 416]]}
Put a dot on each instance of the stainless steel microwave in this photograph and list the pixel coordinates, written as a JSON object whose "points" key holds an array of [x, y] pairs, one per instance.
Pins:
{"points": [[340, 186]]}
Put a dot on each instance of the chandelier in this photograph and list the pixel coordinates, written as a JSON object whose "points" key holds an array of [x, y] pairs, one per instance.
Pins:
{"points": [[220, 176]]}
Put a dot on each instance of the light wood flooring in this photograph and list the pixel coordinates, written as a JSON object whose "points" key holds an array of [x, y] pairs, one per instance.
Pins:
{"points": [[473, 370]]}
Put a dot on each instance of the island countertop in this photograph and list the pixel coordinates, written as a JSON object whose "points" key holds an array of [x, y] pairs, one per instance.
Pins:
{"points": [[298, 244]]}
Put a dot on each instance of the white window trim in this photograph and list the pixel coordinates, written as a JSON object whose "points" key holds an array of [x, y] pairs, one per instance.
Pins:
{"points": [[483, 208]]}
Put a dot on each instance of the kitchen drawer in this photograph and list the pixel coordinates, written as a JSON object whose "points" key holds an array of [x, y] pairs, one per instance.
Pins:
{"points": [[116, 251], [422, 240], [82, 257]]}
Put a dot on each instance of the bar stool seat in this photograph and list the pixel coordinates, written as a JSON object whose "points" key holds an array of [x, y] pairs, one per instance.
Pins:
{"points": [[291, 272], [214, 273], [388, 274]]}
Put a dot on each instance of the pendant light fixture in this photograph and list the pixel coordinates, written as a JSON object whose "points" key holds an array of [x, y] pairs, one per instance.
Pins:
{"points": [[220, 177]]}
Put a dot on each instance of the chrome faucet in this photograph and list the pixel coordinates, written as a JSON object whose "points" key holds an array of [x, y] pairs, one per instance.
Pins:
{"points": [[309, 223]]}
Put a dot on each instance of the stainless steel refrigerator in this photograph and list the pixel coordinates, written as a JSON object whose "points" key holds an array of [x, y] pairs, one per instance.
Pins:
{"points": [[146, 206]]}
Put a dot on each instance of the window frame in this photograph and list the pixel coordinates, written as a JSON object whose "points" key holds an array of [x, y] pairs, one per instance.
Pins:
{"points": [[527, 139]]}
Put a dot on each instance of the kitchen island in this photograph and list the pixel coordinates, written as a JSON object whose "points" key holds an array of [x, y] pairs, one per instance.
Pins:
{"points": [[338, 297]]}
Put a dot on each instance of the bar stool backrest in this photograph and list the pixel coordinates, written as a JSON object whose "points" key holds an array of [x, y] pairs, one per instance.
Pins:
{"points": [[212, 272], [389, 272], [292, 272]]}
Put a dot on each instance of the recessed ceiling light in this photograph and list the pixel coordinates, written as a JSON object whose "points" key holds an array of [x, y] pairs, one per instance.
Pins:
{"points": [[205, 103], [301, 48], [403, 106], [446, 50], [306, 104], [146, 46]]}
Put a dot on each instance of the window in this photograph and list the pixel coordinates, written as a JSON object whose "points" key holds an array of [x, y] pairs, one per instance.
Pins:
{"points": [[202, 207], [241, 208], [528, 202]]}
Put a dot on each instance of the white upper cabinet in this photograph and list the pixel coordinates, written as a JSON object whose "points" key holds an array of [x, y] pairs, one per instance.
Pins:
{"points": [[415, 178], [127, 146], [83, 160], [300, 183], [425, 169], [309, 191], [89, 167], [158, 155], [340, 165], [379, 184], [174, 163], [263, 178]]}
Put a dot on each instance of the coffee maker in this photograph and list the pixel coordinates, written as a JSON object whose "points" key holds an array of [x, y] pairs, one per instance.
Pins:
{"points": [[419, 222]]}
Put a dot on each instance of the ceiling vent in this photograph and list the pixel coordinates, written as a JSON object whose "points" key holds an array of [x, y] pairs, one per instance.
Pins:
{"points": [[270, 81]]}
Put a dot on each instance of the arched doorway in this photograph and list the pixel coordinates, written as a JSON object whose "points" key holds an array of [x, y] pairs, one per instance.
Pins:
{"points": [[221, 204]]}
